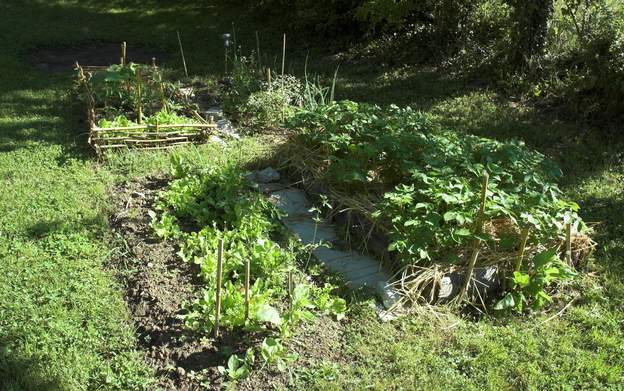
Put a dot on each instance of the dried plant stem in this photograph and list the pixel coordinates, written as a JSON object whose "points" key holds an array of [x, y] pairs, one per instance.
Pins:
{"points": [[477, 242], [218, 294]]}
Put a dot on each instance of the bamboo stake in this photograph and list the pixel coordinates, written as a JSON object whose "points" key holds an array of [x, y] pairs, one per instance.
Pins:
{"points": [[138, 87], [123, 53], [247, 278], [524, 236], [283, 59], [568, 244], [290, 289], [475, 245], [157, 127], [523, 240], [182, 53], [218, 295]]}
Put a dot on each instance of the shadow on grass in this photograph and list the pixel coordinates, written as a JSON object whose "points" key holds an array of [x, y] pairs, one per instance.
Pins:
{"points": [[20, 374]]}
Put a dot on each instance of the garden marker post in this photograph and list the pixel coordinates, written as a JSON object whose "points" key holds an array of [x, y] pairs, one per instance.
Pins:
{"points": [[182, 53], [290, 289], [218, 295], [247, 277], [475, 245], [568, 244], [123, 60], [138, 103], [283, 59], [521, 247]]}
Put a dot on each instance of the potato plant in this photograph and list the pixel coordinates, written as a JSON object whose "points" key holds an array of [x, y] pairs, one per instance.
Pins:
{"points": [[427, 182]]}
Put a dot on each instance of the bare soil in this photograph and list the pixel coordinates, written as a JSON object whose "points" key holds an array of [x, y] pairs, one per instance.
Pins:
{"points": [[58, 59], [157, 286]]}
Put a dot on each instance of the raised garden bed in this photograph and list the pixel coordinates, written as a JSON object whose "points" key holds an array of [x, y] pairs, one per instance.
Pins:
{"points": [[141, 106]]}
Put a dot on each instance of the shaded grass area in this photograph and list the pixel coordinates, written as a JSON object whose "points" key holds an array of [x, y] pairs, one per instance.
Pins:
{"points": [[63, 323]]}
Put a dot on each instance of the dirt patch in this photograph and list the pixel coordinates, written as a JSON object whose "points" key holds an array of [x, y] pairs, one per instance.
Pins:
{"points": [[158, 284], [63, 58]]}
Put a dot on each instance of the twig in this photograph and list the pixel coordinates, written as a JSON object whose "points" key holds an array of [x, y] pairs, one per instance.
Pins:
{"points": [[561, 311]]}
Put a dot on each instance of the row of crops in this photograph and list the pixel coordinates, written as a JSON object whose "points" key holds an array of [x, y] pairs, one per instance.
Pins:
{"points": [[253, 283]]}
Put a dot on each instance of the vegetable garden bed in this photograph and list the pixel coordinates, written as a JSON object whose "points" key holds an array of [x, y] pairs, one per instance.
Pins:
{"points": [[138, 106], [453, 212]]}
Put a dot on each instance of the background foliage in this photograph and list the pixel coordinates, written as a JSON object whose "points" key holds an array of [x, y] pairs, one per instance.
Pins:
{"points": [[567, 53]]}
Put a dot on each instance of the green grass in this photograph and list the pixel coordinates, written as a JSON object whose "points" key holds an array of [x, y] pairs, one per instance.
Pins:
{"points": [[63, 323]]}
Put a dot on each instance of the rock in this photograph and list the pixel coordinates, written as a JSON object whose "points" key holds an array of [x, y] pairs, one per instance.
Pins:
{"points": [[292, 201], [267, 175], [225, 127], [388, 295], [181, 372], [385, 316], [217, 139], [486, 283]]}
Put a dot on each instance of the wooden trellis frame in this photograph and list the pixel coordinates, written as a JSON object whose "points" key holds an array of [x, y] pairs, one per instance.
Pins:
{"points": [[143, 136]]}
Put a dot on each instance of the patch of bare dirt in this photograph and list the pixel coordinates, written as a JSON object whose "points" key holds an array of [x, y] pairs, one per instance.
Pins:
{"points": [[64, 58], [158, 284]]}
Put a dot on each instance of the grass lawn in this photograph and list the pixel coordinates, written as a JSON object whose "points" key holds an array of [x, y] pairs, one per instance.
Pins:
{"points": [[63, 321]]}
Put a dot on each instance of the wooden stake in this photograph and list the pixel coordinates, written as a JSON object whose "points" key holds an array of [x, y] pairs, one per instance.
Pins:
{"points": [[290, 288], [283, 59], [247, 278], [226, 60], [138, 88], [523, 240], [182, 54], [524, 236], [477, 242], [568, 244], [269, 78], [123, 53], [218, 295]]}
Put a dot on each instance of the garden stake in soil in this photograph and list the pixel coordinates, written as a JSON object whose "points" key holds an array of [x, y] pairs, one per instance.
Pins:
{"points": [[182, 54], [123, 59], [290, 288], [218, 294], [477, 242], [138, 88], [247, 278], [568, 244]]}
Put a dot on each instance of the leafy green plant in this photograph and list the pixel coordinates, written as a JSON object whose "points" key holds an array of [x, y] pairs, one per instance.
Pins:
{"points": [[427, 179], [202, 206], [238, 368], [530, 287]]}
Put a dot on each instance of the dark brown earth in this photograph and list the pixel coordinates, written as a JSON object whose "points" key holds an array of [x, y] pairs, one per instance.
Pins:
{"points": [[157, 285], [63, 58]]}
